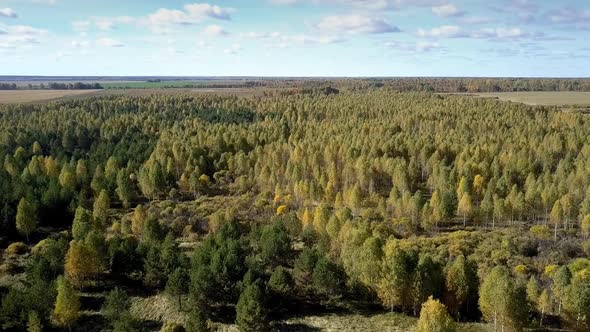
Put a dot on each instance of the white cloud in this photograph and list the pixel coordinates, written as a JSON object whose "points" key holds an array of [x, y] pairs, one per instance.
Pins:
{"points": [[19, 36], [500, 33], [45, 2], [233, 50], [109, 42], [283, 41], [356, 23], [475, 20], [418, 47], [191, 14], [368, 4], [445, 31], [79, 44], [447, 10], [8, 12], [110, 23], [215, 31], [81, 25]]}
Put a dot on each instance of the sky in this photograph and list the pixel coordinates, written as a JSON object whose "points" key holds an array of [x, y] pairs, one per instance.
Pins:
{"points": [[489, 38]]}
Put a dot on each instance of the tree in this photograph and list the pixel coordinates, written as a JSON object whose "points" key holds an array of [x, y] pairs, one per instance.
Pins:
{"points": [[101, 207], [26, 217], [125, 190], [280, 281], [196, 321], [250, 311], [177, 285], [328, 278], [501, 301], [561, 280], [116, 305], [395, 287], [138, 220], [82, 223], [275, 244], [80, 263], [67, 305], [465, 207], [461, 283], [428, 281], [556, 216], [577, 305], [34, 323], [435, 318], [543, 304]]}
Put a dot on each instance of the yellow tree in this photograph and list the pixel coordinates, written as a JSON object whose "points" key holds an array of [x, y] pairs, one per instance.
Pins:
{"points": [[465, 207], [67, 305], [435, 318]]}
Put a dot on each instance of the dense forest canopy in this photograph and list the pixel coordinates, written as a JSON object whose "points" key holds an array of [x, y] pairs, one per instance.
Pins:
{"points": [[371, 198]]}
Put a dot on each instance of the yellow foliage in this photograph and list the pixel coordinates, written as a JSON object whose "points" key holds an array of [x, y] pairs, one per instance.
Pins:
{"points": [[281, 210], [521, 269], [550, 269], [16, 248]]}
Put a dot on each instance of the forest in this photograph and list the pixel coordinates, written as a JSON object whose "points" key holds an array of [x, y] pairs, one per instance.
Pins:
{"points": [[246, 211]]}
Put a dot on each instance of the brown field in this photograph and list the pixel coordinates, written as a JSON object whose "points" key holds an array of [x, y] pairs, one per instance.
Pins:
{"points": [[539, 98], [30, 96]]}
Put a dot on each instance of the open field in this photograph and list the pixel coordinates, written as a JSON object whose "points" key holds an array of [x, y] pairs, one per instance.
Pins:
{"points": [[28, 96], [540, 98]]}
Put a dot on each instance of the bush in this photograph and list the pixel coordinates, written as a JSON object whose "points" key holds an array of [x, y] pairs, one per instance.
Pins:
{"points": [[16, 248]]}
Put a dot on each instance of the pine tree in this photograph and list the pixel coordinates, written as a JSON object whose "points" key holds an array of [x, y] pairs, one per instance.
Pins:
{"points": [[250, 311]]}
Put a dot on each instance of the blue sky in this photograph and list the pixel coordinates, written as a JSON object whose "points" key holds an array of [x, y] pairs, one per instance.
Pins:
{"points": [[296, 37]]}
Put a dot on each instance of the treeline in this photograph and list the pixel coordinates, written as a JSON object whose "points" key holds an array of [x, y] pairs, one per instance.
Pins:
{"points": [[459, 85], [51, 86], [378, 198]]}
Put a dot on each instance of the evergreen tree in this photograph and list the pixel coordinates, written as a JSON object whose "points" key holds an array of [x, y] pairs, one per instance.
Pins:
{"points": [[250, 311]]}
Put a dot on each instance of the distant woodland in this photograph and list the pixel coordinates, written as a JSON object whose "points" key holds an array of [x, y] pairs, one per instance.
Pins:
{"points": [[252, 210]]}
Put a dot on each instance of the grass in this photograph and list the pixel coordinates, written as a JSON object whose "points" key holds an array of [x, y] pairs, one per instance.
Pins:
{"points": [[29, 96], [540, 98]]}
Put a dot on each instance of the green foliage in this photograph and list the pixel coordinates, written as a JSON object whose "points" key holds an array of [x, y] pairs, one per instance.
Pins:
{"points": [[502, 302], [250, 311], [116, 304], [26, 217], [280, 282]]}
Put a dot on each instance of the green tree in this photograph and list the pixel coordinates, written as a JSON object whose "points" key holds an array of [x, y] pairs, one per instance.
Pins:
{"points": [[502, 302], [196, 321], [328, 278], [101, 207], [561, 279], [577, 305], [435, 318], [82, 223], [177, 285], [116, 304], [250, 311], [461, 283], [125, 190], [280, 281], [26, 217]]}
